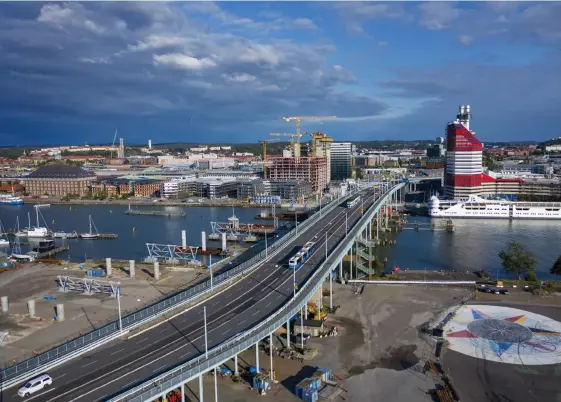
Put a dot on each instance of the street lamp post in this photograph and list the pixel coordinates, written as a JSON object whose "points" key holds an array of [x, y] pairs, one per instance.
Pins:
{"points": [[119, 307], [206, 335]]}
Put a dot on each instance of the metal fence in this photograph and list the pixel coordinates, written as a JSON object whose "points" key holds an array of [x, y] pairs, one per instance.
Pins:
{"points": [[165, 382], [111, 331]]}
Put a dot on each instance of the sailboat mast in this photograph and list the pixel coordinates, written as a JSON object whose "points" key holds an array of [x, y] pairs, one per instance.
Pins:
{"points": [[90, 223]]}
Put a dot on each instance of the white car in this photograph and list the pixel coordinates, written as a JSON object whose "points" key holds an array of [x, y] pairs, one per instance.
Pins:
{"points": [[34, 385]]}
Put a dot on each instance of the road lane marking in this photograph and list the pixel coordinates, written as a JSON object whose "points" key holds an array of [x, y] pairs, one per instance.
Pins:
{"points": [[184, 355], [241, 322], [179, 339], [142, 340], [41, 394], [117, 351], [159, 368], [268, 304], [257, 311], [60, 376], [164, 330], [89, 364]]}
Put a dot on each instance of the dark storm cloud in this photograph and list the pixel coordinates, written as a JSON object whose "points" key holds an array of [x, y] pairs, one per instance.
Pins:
{"points": [[153, 59]]}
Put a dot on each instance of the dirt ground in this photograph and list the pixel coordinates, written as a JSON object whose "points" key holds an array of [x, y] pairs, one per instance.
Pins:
{"points": [[82, 312], [378, 355]]}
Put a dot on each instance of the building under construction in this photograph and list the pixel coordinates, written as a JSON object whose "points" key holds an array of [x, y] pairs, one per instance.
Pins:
{"points": [[308, 169]]}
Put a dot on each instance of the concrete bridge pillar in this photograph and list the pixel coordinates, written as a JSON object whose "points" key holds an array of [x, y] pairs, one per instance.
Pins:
{"points": [[288, 334], [182, 392], [60, 312], [203, 241], [108, 267], [270, 355], [201, 397], [31, 307], [341, 270], [4, 302], [236, 370], [132, 271], [157, 270]]}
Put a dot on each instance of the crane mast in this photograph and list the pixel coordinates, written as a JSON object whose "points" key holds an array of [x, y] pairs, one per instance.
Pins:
{"points": [[298, 120]]}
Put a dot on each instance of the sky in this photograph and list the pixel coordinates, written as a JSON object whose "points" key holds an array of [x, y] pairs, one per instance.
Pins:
{"points": [[204, 72]]}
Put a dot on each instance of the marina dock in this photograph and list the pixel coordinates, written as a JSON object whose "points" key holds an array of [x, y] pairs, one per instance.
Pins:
{"points": [[155, 212]]}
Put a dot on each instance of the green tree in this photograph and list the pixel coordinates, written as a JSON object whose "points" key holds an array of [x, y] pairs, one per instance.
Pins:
{"points": [[358, 174], [517, 260], [556, 268]]}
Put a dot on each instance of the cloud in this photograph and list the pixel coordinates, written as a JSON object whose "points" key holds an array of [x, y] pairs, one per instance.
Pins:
{"points": [[504, 99], [355, 14], [438, 15], [466, 39], [159, 64], [183, 61]]}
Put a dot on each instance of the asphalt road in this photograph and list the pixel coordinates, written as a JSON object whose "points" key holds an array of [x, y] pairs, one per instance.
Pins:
{"points": [[123, 364]]}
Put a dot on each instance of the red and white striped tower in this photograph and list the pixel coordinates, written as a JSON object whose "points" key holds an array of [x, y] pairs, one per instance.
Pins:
{"points": [[464, 158]]}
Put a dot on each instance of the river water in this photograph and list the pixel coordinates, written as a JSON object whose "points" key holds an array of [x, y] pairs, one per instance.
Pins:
{"points": [[473, 246]]}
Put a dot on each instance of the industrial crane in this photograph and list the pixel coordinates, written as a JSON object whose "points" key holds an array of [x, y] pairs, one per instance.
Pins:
{"points": [[265, 142], [298, 120], [317, 137], [291, 139], [113, 145]]}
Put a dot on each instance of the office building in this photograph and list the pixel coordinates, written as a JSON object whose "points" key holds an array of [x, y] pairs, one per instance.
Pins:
{"points": [[341, 155]]}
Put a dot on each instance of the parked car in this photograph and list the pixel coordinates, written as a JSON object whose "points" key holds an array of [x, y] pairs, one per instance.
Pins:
{"points": [[503, 292], [34, 385], [496, 291]]}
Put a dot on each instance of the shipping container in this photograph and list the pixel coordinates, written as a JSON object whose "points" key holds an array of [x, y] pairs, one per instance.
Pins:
{"points": [[310, 395], [302, 386], [95, 272], [326, 373]]}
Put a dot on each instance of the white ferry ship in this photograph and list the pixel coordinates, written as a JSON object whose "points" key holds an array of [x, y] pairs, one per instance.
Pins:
{"points": [[477, 207]]}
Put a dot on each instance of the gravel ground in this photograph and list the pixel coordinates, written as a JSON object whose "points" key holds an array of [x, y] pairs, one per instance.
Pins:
{"points": [[378, 353], [83, 313]]}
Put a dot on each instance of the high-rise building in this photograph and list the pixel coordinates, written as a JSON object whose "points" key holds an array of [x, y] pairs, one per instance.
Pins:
{"points": [[464, 158], [341, 153], [320, 146], [121, 151], [307, 169]]}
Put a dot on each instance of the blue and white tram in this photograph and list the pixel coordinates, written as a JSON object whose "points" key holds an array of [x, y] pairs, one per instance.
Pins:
{"points": [[353, 202], [301, 256]]}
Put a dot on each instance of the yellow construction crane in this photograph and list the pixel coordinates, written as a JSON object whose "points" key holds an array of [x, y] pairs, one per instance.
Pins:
{"points": [[291, 139], [298, 120], [316, 138], [265, 142]]}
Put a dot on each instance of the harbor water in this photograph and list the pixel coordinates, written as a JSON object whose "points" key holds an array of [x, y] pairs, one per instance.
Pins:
{"points": [[474, 245], [133, 231]]}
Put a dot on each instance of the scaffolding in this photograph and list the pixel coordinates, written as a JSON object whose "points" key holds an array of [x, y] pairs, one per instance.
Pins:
{"points": [[172, 254], [87, 286], [303, 169]]}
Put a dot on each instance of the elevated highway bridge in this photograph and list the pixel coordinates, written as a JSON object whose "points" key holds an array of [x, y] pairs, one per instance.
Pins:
{"points": [[167, 356]]}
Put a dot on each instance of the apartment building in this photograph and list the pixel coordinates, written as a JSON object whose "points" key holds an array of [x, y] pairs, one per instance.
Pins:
{"points": [[341, 155]]}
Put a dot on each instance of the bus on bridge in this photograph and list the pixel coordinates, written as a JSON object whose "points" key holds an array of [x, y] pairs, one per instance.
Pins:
{"points": [[302, 255]]}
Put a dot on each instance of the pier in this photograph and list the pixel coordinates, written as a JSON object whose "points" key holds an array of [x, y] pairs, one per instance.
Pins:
{"points": [[444, 226], [154, 212]]}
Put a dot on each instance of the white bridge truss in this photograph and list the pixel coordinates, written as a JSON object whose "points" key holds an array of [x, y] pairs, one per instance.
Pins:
{"points": [[87, 286], [172, 253], [220, 227]]}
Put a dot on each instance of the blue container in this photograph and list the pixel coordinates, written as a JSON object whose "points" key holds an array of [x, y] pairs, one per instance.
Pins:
{"points": [[310, 395], [49, 298], [303, 386], [252, 370], [334, 275], [326, 373], [95, 272], [316, 382]]}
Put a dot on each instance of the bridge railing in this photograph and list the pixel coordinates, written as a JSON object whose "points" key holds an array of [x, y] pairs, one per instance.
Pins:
{"points": [[111, 331], [185, 372]]}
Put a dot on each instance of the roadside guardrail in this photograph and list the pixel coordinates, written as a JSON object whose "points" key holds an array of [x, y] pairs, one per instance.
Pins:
{"points": [[167, 381], [69, 350]]}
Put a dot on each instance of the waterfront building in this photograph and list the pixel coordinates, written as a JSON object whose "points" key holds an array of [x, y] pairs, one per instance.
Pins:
{"points": [[59, 180], [286, 190], [309, 169], [341, 154]]}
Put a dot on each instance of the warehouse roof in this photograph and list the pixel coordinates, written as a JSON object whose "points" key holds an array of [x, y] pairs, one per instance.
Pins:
{"points": [[61, 172]]}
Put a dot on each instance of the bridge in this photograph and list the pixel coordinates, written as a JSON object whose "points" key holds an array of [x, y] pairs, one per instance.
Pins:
{"points": [[152, 363]]}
